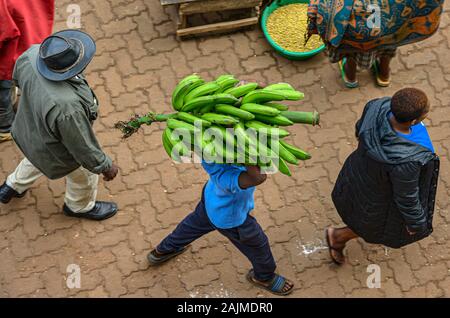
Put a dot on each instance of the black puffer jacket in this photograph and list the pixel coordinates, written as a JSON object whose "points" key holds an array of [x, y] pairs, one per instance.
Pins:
{"points": [[387, 184]]}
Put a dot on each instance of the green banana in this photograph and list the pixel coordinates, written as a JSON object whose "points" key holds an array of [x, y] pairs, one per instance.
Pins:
{"points": [[190, 77], [261, 96], [198, 103], [220, 119], [297, 152], [242, 90], [224, 98], [277, 121], [286, 155], [226, 83], [181, 150], [183, 88], [197, 143], [283, 167], [225, 133], [260, 109], [265, 152], [203, 90], [254, 124], [181, 147], [168, 146], [234, 111], [280, 86], [292, 95], [191, 119], [208, 151], [224, 77], [169, 135], [311, 118], [257, 125], [280, 107], [206, 109], [227, 141], [178, 124], [239, 130], [246, 145]]}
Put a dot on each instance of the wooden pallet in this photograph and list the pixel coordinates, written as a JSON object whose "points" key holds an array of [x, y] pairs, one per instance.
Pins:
{"points": [[190, 7]]}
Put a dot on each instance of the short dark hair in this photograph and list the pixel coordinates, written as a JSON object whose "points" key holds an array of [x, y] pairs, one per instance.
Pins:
{"points": [[409, 104]]}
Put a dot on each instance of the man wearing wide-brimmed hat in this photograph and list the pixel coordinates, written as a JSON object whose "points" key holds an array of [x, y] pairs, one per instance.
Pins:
{"points": [[53, 125]]}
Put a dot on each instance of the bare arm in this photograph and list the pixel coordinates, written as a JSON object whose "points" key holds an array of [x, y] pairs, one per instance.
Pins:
{"points": [[252, 177]]}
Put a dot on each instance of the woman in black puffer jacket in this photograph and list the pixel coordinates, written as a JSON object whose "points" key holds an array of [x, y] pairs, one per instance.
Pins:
{"points": [[386, 191]]}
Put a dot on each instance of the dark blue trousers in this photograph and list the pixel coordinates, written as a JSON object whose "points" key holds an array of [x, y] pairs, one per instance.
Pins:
{"points": [[6, 106], [249, 238]]}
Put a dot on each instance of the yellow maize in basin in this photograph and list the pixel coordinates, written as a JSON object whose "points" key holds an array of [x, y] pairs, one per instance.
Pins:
{"points": [[287, 26]]}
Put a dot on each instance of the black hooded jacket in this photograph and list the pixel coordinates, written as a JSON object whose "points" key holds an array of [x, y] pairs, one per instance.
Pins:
{"points": [[388, 184]]}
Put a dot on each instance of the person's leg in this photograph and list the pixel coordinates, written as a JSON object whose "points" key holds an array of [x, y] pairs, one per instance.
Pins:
{"points": [[337, 240], [347, 67], [6, 110], [250, 239], [23, 177], [381, 66], [80, 200], [81, 190], [194, 226], [350, 69], [385, 70]]}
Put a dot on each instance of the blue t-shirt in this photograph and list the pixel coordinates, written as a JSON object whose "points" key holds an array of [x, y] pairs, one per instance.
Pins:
{"points": [[227, 204], [419, 135]]}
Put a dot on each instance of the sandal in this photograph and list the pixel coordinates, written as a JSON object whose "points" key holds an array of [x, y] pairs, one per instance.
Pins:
{"points": [[5, 137], [331, 249], [344, 77], [276, 285], [376, 72], [155, 259]]}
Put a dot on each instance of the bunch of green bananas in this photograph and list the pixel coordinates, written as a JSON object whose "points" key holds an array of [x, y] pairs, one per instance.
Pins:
{"points": [[224, 121]]}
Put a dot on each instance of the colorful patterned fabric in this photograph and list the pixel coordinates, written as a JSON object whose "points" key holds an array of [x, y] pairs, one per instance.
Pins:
{"points": [[364, 59], [367, 25]]}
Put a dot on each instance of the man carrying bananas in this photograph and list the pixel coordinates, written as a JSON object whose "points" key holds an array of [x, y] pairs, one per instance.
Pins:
{"points": [[53, 125], [226, 203]]}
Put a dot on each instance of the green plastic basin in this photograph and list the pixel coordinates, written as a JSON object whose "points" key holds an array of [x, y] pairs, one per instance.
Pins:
{"points": [[287, 54]]}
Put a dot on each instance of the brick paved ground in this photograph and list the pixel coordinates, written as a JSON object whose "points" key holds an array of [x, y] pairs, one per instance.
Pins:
{"points": [[138, 64]]}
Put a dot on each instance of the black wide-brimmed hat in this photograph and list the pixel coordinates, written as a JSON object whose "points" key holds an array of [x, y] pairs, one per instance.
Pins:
{"points": [[65, 54]]}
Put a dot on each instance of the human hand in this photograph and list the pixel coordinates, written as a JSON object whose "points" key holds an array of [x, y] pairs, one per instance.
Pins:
{"points": [[111, 173], [410, 232], [253, 171]]}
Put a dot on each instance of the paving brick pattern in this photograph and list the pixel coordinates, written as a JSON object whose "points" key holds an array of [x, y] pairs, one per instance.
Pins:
{"points": [[139, 62]]}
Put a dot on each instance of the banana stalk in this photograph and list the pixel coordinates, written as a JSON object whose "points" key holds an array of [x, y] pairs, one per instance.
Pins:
{"points": [[128, 128]]}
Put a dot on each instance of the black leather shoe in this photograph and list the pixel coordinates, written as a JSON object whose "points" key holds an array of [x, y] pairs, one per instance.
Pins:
{"points": [[101, 211], [7, 193]]}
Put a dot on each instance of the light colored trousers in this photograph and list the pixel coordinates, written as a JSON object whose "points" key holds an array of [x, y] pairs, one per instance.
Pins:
{"points": [[81, 185]]}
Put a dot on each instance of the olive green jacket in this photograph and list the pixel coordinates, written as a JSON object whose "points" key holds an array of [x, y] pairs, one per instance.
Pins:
{"points": [[53, 125]]}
